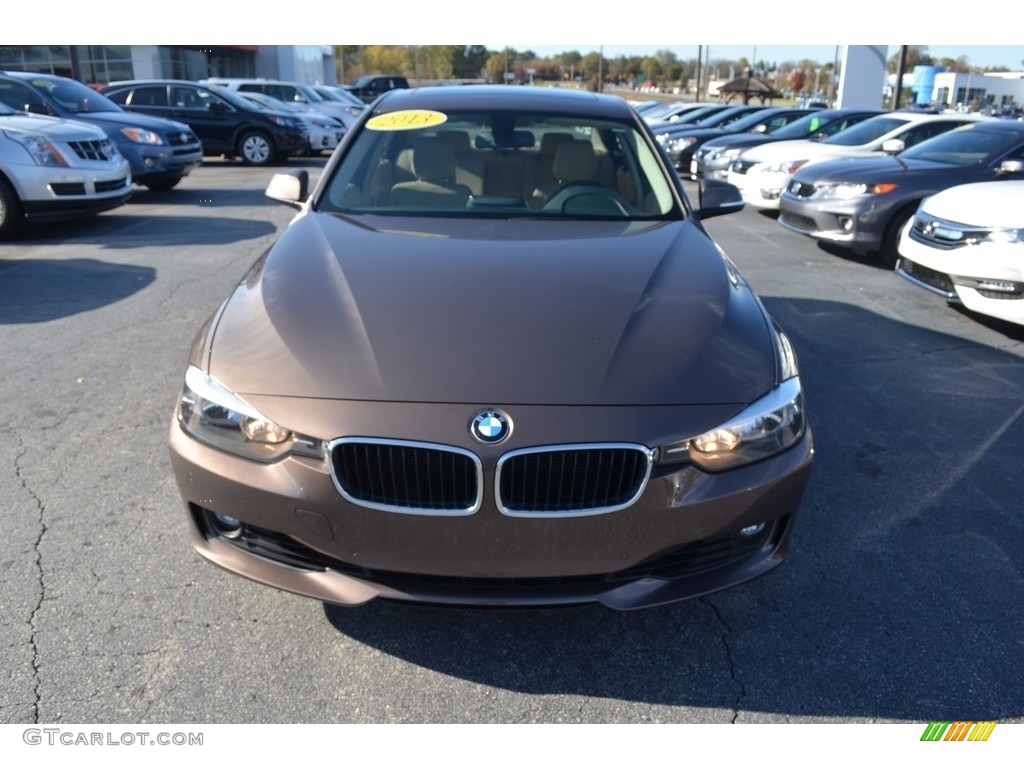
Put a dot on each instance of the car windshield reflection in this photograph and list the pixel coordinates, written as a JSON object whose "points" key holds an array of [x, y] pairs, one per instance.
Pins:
{"points": [[417, 162]]}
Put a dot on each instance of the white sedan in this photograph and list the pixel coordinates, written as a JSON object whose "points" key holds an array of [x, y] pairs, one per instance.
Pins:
{"points": [[966, 243]]}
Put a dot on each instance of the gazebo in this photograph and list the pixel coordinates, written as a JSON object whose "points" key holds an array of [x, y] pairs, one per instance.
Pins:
{"points": [[747, 87]]}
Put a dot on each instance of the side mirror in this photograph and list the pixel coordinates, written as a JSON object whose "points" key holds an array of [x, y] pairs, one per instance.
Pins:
{"points": [[289, 187], [759, 128], [1010, 167], [38, 109], [718, 198], [893, 146]]}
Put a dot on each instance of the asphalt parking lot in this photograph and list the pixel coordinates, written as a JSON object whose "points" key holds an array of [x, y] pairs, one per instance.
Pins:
{"points": [[900, 600]]}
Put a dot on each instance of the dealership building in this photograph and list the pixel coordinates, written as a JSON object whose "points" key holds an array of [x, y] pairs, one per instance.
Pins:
{"points": [[97, 64]]}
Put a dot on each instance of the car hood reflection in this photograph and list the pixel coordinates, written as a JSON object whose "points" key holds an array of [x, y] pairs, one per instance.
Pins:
{"points": [[471, 311]]}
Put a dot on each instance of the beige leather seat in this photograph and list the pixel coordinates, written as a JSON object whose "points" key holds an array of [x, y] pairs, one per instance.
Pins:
{"points": [[574, 163], [433, 165]]}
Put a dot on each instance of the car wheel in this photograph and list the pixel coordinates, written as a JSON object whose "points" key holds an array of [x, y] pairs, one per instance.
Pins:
{"points": [[890, 253], [10, 209], [256, 148], [164, 185]]}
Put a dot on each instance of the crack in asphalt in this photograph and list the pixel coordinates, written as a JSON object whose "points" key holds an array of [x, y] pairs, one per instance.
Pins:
{"points": [[728, 655], [42, 585], [243, 261]]}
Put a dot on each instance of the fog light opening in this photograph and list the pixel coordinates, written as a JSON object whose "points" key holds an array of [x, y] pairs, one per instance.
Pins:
{"points": [[752, 530], [227, 526], [846, 223]]}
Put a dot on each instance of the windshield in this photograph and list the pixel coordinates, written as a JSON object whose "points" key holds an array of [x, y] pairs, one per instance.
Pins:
{"points": [[5, 110], [866, 132], [802, 128], [500, 164], [73, 96], [229, 96], [728, 117], [696, 115], [964, 146], [267, 103], [340, 95]]}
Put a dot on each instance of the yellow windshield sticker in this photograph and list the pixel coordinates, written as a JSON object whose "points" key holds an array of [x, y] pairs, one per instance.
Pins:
{"points": [[406, 120]]}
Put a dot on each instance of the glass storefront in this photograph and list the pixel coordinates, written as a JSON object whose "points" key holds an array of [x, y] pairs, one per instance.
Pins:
{"points": [[107, 63]]}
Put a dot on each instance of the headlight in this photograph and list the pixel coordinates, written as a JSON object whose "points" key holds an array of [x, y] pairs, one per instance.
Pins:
{"points": [[141, 135], [727, 155], [288, 122], [213, 414], [787, 167], [42, 151], [678, 145], [849, 191], [768, 426], [1003, 236]]}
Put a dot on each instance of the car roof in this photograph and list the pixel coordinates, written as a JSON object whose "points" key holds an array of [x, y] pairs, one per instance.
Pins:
{"points": [[152, 81], [486, 97]]}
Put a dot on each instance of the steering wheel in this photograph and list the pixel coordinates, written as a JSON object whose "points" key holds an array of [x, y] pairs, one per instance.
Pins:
{"points": [[587, 198]]}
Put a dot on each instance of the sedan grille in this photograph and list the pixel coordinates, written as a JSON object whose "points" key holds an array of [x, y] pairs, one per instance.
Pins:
{"points": [[571, 480], [742, 166], [800, 189], [94, 150], [795, 220], [402, 476], [944, 234], [110, 186], [181, 138]]}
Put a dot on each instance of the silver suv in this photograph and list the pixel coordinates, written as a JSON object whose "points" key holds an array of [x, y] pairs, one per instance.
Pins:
{"points": [[52, 168]]}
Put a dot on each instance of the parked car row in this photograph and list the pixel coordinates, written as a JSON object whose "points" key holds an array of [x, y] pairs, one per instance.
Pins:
{"points": [[160, 152], [863, 203], [938, 196]]}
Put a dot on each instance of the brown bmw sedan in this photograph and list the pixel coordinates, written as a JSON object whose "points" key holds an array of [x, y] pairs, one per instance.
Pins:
{"points": [[494, 360]]}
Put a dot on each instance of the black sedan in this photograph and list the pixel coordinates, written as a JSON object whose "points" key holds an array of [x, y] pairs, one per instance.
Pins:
{"points": [[862, 203], [712, 160]]}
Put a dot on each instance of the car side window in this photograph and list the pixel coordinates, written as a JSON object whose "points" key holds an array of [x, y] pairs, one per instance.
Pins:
{"points": [[926, 131], [21, 97], [147, 96]]}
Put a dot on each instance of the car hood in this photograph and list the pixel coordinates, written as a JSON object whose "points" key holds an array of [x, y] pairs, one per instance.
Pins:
{"points": [[117, 120], [984, 204], [494, 311], [877, 169], [741, 140], [56, 128], [780, 150]]}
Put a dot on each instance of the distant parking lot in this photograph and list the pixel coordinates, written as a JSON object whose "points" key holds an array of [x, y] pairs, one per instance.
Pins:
{"points": [[896, 603]]}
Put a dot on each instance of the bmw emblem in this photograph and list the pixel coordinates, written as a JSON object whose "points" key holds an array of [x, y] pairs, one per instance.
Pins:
{"points": [[490, 427]]}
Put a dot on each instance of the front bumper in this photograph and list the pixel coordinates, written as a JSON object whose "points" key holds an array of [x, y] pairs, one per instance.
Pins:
{"points": [[680, 539], [153, 164], [858, 224], [760, 190], [987, 278], [50, 194]]}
